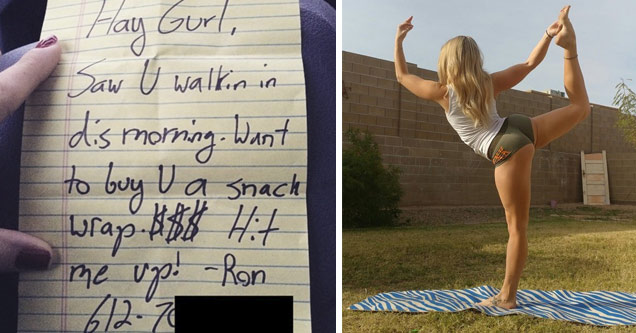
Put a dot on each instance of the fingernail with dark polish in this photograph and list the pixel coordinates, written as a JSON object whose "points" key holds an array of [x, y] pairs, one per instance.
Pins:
{"points": [[33, 259], [47, 42]]}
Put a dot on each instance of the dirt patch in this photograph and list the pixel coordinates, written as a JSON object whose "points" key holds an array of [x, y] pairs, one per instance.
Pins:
{"points": [[435, 215]]}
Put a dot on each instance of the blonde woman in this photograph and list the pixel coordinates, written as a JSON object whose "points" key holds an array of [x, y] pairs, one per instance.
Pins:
{"points": [[466, 93]]}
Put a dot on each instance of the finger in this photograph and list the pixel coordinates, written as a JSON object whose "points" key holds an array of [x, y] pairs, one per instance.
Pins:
{"points": [[565, 10], [20, 252], [19, 80], [556, 26], [405, 31], [409, 19]]}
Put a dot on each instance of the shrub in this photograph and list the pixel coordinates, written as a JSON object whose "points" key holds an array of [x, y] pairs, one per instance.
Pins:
{"points": [[370, 191]]}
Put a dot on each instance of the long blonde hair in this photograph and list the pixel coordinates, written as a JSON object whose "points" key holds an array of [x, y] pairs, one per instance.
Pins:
{"points": [[460, 65]]}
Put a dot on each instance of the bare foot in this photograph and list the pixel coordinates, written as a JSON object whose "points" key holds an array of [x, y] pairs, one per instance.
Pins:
{"points": [[566, 37], [496, 301]]}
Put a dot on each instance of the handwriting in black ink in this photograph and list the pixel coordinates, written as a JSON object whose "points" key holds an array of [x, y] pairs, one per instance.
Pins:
{"points": [[189, 23], [94, 86], [244, 229], [243, 278], [93, 323], [243, 188], [258, 138], [83, 135], [82, 187], [161, 273], [177, 229], [133, 24], [137, 187], [106, 229], [86, 271], [143, 79]]}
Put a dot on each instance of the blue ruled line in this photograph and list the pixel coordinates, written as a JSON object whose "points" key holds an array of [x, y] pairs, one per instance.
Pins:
{"points": [[168, 58], [200, 231], [171, 88], [149, 215], [119, 297], [162, 247], [182, 264], [171, 281], [176, 103], [166, 118], [157, 198], [149, 150], [154, 166], [205, 73], [185, 45], [170, 141], [184, 6]]}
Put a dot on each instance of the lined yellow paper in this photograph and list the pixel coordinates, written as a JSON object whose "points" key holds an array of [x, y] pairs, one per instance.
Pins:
{"points": [[166, 155]]}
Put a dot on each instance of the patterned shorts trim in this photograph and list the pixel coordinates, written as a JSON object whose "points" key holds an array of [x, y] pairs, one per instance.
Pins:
{"points": [[501, 154]]}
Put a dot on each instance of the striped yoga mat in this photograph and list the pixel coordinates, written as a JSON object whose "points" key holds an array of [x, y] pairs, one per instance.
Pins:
{"points": [[602, 308]]}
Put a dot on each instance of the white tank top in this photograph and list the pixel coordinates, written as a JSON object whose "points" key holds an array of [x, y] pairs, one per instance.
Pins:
{"points": [[477, 138]]}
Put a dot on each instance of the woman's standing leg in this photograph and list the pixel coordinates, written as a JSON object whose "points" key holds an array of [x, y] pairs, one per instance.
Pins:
{"points": [[512, 179], [554, 124]]}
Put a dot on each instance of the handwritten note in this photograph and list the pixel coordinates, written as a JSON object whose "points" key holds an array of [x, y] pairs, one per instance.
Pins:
{"points": [[166, 155]]}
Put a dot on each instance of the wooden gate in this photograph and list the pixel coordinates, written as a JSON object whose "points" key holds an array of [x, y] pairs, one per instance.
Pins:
{"points": [[595, 184]]}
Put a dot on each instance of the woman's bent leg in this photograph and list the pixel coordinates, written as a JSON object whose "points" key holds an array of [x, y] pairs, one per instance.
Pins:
{"points": [[554, 124]]}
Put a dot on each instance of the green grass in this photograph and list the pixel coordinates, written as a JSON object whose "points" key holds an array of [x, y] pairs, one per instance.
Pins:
{"points": [[581, 249]]}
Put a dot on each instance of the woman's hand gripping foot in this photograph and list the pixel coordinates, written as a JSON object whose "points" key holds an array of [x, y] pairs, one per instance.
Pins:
{"points": [[566, 37]]}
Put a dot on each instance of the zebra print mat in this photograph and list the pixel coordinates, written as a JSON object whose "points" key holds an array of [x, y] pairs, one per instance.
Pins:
{"points": [[602, 308]]}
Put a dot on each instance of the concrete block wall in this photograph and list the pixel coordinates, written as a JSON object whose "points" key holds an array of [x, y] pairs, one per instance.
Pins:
{"points": [[621, 174], [439, 169]]}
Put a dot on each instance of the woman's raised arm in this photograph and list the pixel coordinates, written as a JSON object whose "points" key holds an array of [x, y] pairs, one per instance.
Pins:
{"points": [[425, 89]]}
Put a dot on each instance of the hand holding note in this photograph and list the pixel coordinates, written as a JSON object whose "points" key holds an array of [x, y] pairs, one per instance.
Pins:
{"points": [[18, 81], [19, 251]]}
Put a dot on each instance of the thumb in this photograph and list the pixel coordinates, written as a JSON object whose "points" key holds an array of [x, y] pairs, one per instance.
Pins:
{"points": [[19, 80], [19, 252]]}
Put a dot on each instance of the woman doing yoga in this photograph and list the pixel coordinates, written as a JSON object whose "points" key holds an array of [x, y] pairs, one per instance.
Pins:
{"points": [[466, 93]]}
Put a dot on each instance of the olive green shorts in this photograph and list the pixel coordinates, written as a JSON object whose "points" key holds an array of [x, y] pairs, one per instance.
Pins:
{"points": [[515, 133]]}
